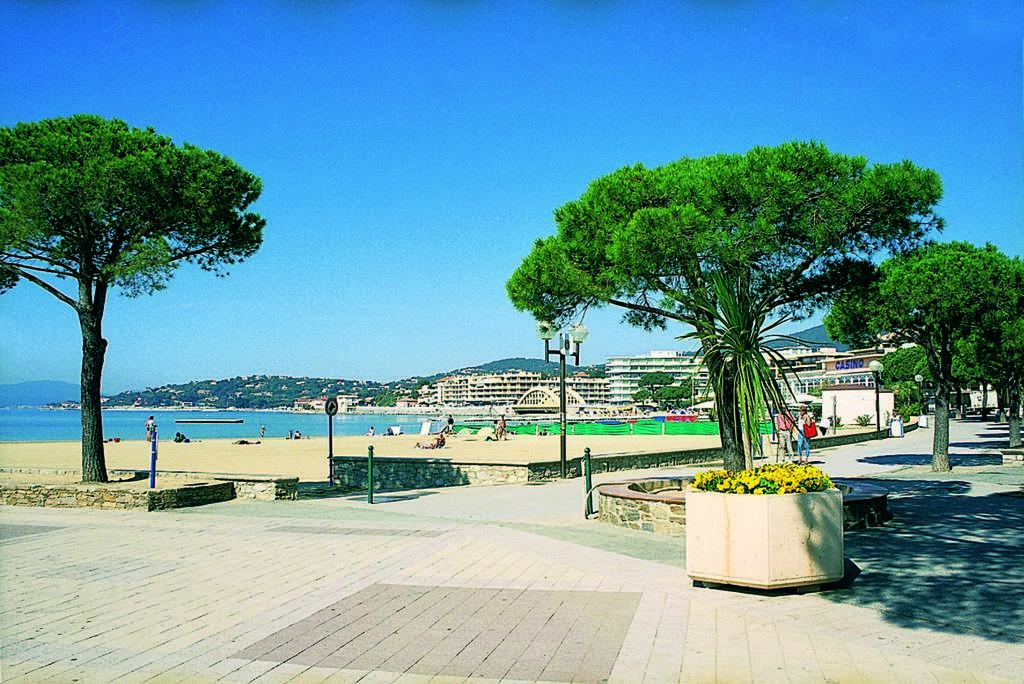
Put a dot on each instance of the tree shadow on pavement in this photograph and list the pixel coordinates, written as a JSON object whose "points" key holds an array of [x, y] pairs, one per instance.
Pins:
{"points": [[969, 459], [947, 562]]}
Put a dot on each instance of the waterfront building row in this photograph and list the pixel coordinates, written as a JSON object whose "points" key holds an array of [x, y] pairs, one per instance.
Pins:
{"points": [[506, 389]]}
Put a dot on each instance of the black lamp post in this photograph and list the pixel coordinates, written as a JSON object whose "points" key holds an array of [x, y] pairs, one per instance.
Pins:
{"points": [[920, 397], [876, 369], [576, 335]]}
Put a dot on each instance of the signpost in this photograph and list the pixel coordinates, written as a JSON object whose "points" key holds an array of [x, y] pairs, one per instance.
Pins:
{"points": [[152, 460], [331, 409]]}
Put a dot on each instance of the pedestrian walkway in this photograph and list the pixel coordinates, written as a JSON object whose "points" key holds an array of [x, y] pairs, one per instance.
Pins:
{"points": [[510, 583]]}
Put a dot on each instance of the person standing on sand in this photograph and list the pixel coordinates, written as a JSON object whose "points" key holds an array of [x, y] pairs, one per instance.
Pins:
{"points": [[263, 431], [150, 428]]}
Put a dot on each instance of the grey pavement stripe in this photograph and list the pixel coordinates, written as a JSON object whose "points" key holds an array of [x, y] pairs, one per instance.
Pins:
{"points": [[456, 632], [359, 531], [13, 531]]}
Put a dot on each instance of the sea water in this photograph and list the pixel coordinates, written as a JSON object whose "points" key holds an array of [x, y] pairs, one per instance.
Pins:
{"points": [[52, 425]]}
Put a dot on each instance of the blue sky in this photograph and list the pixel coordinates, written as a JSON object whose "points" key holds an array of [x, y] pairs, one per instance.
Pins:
{"points": [[412, 151]]}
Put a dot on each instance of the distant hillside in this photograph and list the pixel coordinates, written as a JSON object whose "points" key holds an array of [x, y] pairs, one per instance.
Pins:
{"points": [[38, 393], [812, 337], [528, 365]]}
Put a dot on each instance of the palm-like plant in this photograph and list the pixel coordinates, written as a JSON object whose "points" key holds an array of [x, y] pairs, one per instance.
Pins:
{"points": [[734, 327]]}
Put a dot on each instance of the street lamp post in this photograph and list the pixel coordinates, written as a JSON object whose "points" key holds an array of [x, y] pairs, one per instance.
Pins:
{"points": [[576, 336], [876, 369], [920, 396]]}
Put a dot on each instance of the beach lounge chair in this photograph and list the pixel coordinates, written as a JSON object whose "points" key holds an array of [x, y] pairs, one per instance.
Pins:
{"points": [[394, 430], [425, 427]]}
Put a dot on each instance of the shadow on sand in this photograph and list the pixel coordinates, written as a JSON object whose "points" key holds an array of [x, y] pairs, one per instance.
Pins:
{"points": [[948, 561]]}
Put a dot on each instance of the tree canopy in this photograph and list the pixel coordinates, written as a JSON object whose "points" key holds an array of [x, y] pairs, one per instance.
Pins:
{"points": [[655, 381], [89, 204], [783, 229], [935, 296]]}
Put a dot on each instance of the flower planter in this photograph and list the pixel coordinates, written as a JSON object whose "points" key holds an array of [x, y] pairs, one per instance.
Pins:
{"points": [[764, 541]]}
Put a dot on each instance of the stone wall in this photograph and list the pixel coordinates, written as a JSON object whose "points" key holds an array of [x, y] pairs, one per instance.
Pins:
{"points": [[1013, 457], [663, 513], [390, 474], [268, 489], [102, 496]]}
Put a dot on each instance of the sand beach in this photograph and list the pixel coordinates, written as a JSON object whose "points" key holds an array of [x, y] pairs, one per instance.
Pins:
{"points": [[307, 458]]}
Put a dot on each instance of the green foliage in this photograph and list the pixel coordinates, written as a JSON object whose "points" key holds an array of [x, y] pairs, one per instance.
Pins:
{"points": [[837, 422], [936, 296], [95, 201], [796, 221], [905, 400], [863, 420], [386, 398], [655, 381], [774, 478], [641, 395], [903, 364], [737, 359], [251, 391], [88, 205], [672, 397]]}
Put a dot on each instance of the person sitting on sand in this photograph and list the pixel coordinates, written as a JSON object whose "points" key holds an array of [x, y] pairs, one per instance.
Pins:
{"points": [[180, 438], [438, 443], [371, 432], [298, 435]]}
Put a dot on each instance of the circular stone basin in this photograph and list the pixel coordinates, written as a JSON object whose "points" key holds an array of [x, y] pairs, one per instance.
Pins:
{"points": [[659, 504]]}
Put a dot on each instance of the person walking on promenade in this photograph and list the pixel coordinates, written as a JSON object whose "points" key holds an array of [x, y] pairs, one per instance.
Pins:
{"points": [[784, 430], [804, 423]]}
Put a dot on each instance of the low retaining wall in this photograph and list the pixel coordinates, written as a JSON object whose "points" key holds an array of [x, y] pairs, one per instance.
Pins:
{"points": [[659, 505], [391, 473], [108, 496], [102, 496], [654, 505], [1013, 457]]}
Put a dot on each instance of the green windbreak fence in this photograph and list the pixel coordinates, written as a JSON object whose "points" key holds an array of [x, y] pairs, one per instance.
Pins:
{"points": [[640, 427]]}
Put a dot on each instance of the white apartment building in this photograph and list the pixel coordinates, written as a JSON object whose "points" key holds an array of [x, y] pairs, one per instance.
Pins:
{"points": [[624, 372], [505, 389], [806, 368]]}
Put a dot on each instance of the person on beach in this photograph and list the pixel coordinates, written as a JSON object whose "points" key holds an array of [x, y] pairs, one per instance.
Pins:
{"points": [[371, 432], [438, 443], [150, 428], [451, 425], [500, 431], [263, 431], [804, 426]]}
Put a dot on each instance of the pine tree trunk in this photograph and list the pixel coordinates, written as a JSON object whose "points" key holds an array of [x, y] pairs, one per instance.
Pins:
{"points": [[94, 347], [729, 429], [940, 445], [1013, 412]]}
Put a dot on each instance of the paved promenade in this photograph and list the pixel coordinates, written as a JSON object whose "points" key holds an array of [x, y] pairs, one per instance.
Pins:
{"points": [[510, 583]]}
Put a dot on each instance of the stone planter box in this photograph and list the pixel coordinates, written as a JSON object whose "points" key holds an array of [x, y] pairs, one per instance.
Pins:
{"points": [[764, 541]]}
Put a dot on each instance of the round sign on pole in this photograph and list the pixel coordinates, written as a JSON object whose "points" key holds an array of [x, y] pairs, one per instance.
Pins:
{"points": [[331, 406]]}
